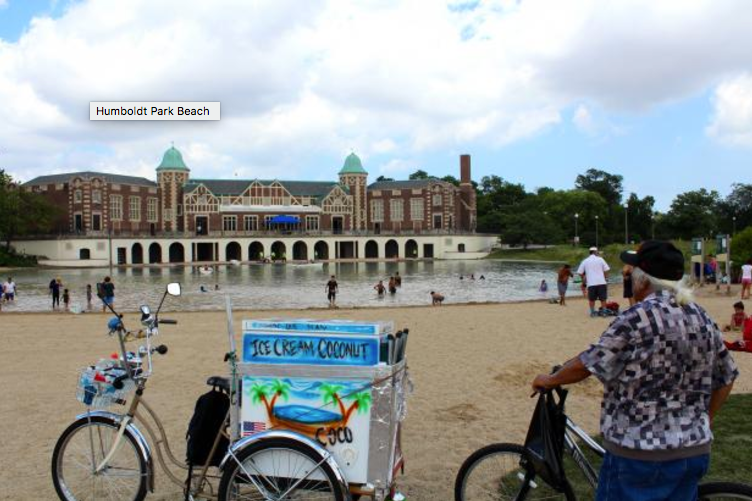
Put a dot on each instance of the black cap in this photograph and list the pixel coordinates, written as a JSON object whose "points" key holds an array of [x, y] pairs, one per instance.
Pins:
{"points": [[657, 258]]}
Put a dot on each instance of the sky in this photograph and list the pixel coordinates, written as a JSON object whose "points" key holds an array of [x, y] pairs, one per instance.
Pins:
{"points": [[536, 91]]}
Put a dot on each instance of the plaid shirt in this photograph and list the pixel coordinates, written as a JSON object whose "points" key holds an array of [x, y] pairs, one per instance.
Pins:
{"points": [[659, 363]]}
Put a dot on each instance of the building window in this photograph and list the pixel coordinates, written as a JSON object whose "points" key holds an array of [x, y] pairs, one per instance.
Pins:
{"points": [[96, 222], [78, 196], [416, 209], [180, 209], [116, 207], [135, 209], [396, 193], [377, 211], [250, 223], [151, 210], [266, 221], [396, 209], [437, 200], [376, 193], [230, 223], [312, 223], [96, 196], [115, 187], [167, 214]]}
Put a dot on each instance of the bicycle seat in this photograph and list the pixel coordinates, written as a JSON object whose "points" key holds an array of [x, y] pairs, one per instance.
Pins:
{"points": [[220, 382]]}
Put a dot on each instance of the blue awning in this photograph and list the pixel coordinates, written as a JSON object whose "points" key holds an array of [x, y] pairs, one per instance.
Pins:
{"points": [[284, 219]]}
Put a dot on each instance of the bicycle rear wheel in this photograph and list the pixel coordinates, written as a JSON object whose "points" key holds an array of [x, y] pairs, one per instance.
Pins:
{"points": [[497, 472], [78, 452], [718, 491]]}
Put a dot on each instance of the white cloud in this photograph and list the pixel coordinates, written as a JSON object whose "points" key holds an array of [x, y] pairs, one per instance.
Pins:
{"points": [[731, 122], [583, 120], [304, 79]]}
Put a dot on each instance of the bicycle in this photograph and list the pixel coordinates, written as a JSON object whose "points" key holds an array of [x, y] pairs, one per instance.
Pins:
{"points": [[502, 471], [104, 454]]}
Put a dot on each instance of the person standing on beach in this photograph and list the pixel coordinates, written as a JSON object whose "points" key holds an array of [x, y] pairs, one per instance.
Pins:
{"points": [[332, 288], [88, 296], [66, 299], [562, 283], [666, 373], [108, 293], [9, 288], [55, 285], [595, 269], [746, 278]]}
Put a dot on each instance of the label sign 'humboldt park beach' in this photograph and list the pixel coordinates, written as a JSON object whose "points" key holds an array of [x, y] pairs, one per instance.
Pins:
{"points": [[284, 348]]}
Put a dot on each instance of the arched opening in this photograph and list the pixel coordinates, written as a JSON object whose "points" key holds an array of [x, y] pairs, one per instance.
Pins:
{"points": [[84, 254], [155, 253], [321, 250], [137, 254], [300, 251], [411, 249], [256, 251], [392, 250], [232, 252], [279, 251], [461, 248], [372, 249], [177, 253]]}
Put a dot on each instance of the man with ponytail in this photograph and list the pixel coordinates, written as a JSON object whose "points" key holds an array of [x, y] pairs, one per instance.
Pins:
{"points": [[666, 373]]}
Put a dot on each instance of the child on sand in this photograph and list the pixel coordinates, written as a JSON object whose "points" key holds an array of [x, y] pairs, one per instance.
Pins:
{"points": [[562, 283], [737, 318], [66, 299], [436, 298]]}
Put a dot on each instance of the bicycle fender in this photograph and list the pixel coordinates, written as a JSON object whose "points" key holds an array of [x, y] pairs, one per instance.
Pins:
{"points": [[323, 454], [143, 445]]}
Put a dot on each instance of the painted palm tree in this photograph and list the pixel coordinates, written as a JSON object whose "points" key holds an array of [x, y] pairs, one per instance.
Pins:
{"points": [[280, 389], [331, 396], [260, 393], [361, 403]]}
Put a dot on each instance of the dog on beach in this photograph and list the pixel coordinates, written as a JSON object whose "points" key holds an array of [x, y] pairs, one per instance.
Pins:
{"points": [[437, 298]]}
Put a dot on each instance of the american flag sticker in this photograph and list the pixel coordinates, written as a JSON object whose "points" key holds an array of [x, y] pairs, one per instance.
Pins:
{"points": [[251, 427]]}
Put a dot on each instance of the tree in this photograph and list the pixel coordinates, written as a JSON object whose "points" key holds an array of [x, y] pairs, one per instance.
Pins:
{"points": [[383, 178], [526, 227], [451, 179], [606, 185], [693, 214], [562, 205], [23, 212], [640, 217], [738, 204], [741, 247], [420, 174]]}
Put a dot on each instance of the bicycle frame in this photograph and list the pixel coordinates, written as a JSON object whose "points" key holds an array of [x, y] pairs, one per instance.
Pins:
{"points": [[573, 449]]}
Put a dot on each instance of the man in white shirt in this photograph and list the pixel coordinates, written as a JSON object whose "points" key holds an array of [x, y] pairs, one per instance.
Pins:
{"points": [[594, 270], [9, 288]]}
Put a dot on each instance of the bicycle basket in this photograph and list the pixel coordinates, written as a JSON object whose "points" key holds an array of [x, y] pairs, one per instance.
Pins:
{"points": [[103, 385]]}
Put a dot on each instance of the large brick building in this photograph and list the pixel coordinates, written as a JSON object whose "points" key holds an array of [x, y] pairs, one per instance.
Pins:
{"points": [[97, 204]]}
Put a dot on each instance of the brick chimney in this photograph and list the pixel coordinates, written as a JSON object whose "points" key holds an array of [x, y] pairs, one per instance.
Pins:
{"points": [[464, 169]]}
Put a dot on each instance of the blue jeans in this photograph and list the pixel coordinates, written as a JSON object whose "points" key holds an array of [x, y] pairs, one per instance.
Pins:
{"points": [[623, 479]]}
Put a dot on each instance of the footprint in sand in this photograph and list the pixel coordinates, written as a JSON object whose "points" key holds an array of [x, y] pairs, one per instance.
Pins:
{"points": [[464, 413]]}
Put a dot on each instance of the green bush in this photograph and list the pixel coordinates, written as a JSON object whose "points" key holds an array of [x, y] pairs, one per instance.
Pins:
{"points": [[741, 248], [11, 259]]}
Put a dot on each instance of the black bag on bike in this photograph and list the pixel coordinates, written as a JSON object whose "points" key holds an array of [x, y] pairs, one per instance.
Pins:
{"points": [[544, 445], [208, 419]]}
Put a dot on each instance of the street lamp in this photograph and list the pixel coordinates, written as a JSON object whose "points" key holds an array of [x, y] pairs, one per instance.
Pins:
{"points": [[626, 224], [652, 225], [596, 230], [576, 236], [734, 230]]}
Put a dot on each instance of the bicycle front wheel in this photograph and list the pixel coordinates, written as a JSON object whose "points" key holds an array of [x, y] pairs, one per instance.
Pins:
{"points": [[82, 447], [279, 468], [718, 491], [497, 472]]}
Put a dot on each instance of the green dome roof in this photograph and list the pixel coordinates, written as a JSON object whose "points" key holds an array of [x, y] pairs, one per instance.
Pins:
{"points": [[172, 160], [352, 165]]}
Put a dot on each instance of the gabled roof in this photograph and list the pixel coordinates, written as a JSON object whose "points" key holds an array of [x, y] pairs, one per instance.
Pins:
{"points": [[410, 184], [110, 178], [237, 186]]}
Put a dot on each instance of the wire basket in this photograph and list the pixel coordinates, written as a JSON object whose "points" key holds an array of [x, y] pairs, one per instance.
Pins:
{"points": [[100, 387]]}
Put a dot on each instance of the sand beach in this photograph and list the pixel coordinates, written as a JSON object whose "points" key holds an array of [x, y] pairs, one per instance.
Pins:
{"points": [[471, 366]]}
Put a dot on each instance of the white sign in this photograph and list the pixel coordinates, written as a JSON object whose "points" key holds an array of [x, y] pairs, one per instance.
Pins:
{"points": [[154, 110]]}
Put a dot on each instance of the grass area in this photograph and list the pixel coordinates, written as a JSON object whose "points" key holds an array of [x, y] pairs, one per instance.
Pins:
{"points": [[13, 260], [729, 460], [573, 255]]}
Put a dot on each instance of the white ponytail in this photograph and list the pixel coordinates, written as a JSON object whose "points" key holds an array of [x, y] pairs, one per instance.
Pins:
{"points": [[678, 288]]}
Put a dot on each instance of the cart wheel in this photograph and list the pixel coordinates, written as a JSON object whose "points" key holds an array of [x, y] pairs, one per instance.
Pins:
{"points": [[279, 468]]}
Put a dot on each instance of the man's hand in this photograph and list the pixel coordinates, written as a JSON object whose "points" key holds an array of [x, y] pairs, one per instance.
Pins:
{"points": [[543, 382], [572, 372]]}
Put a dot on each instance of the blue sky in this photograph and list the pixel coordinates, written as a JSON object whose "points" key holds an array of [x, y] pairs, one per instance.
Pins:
{"points": [[537, 92]]}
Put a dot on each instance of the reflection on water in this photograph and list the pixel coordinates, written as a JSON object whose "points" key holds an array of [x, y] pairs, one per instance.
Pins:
{"points": [[290, 286]]}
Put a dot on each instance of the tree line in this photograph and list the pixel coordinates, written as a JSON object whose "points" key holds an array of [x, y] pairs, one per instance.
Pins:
{"points": [[22, 212], [597, 210]]}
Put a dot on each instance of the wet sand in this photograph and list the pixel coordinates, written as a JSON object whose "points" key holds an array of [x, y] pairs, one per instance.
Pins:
{"points": [[471, 366]]}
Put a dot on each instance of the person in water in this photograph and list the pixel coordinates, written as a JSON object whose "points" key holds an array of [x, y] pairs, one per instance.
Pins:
{"points": [[380, 289], [397, 279], [392, 286]]}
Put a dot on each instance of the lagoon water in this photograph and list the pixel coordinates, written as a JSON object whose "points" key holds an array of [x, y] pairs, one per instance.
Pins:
{"points": [[264, 287]]}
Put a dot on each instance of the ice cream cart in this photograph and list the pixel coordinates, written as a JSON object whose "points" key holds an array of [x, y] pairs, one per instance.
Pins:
{"points": [[326, 394]]}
